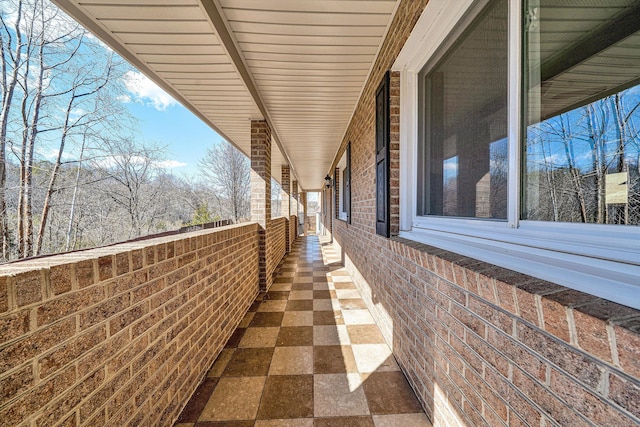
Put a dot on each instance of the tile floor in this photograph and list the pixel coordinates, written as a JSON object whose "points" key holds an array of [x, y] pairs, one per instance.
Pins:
{"points": [[308, 355]]}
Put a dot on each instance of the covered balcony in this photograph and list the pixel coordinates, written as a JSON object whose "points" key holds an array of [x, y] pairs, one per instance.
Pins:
{"points": [[451, 283]]}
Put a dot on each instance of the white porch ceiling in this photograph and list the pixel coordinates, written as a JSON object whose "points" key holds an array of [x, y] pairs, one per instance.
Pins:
{"points": [[300, 64]]}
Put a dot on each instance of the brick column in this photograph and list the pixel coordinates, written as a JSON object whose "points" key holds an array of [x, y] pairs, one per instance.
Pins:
{"points": [[285, 176], [286, 191], [294, 203], [261, 192], [303, 200]]}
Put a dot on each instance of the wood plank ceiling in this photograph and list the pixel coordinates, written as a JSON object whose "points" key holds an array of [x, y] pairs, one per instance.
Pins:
{"points": [[301, 64]]}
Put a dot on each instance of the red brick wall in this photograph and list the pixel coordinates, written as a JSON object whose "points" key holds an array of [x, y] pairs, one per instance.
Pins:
{"points": [[276, 245], [293, 230], [481, 345], [120, 335]]}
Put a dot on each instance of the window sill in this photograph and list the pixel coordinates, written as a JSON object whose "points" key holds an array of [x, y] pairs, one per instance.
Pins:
{"points": [[611, 280]]}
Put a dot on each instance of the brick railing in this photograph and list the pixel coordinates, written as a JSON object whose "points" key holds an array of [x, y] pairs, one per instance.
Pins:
{"points": [[276, 243], [120, 335]]}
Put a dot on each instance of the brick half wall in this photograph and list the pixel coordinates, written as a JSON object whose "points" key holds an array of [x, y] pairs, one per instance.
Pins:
{"points": [[276, 245], [121, 335]]}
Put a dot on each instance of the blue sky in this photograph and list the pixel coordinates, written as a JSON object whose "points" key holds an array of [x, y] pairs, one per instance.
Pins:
{"points": [[165, 122]]}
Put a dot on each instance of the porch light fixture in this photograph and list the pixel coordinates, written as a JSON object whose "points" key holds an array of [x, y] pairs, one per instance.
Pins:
{"points": [[327, 181]]}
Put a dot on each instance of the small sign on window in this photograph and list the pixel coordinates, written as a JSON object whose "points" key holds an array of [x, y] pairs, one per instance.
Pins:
{"points": [[617, 188]]}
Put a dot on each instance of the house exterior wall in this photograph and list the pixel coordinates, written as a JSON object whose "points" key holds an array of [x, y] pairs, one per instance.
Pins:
{"points": [[121, 335], [480, 345]]}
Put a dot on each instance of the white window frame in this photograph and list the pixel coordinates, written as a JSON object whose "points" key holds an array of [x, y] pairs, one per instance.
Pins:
{"points": [[342, 165], [602, 260]]}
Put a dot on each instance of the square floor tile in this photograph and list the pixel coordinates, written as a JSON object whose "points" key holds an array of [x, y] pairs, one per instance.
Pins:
{"points": [[246, 423], [292, 361], [322, 286], [301, 295], [374, 358], [358, 317], [234, 399], [246, 320], [347, 293], [345, 285], [299, 305], [353, 304], [361, 421], [303, 279], [295, 336], [338, 395], [221, 363], [390, 393], [328, 318], [267, 318], [326, 304], [260, 337], [198, 401], [277, 295], [333, 359], [324, 294], [279, 393], [297, 422], [306, 272], [365, 334], [235, 338], [302, 287], [330, 335], [280, 287], [249, 362], [272, 305], [402, 420], [297, 318]]}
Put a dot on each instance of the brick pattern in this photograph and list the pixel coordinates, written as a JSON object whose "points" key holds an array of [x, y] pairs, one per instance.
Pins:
{"points": [[260, 172], [286, 190], [286, 203], [481, 345], [121, 335], [261, 193], [293, 231], [336, 193], [294, 198], [276, 246]]}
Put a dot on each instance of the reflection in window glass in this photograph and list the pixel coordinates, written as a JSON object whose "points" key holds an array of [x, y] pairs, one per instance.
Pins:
{"points": [[464, 99], [583, 110]]}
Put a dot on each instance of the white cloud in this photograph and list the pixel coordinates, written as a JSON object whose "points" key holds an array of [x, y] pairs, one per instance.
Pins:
{"points": [[147, 92], [170, 164]]}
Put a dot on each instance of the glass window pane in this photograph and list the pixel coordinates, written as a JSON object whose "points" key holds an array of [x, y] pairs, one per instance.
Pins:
{"points": [[464, 101], [582, 68]]}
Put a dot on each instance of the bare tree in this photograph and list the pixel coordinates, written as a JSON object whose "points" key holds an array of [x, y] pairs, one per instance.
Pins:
{"points": [[11, 45], [226, 171], [130, 170]]}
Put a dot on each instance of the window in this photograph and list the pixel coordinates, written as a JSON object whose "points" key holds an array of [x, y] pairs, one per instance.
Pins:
{"points": [[520, 138], [343, 188], [463, 143], [582, 120]]}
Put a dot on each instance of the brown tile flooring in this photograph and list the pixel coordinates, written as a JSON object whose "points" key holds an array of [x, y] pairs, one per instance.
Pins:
{"points": [[308, 355]]}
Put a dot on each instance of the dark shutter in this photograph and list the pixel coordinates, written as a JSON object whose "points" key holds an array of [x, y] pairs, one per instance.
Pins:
{"points": [[347, 185], [382, 157]]}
